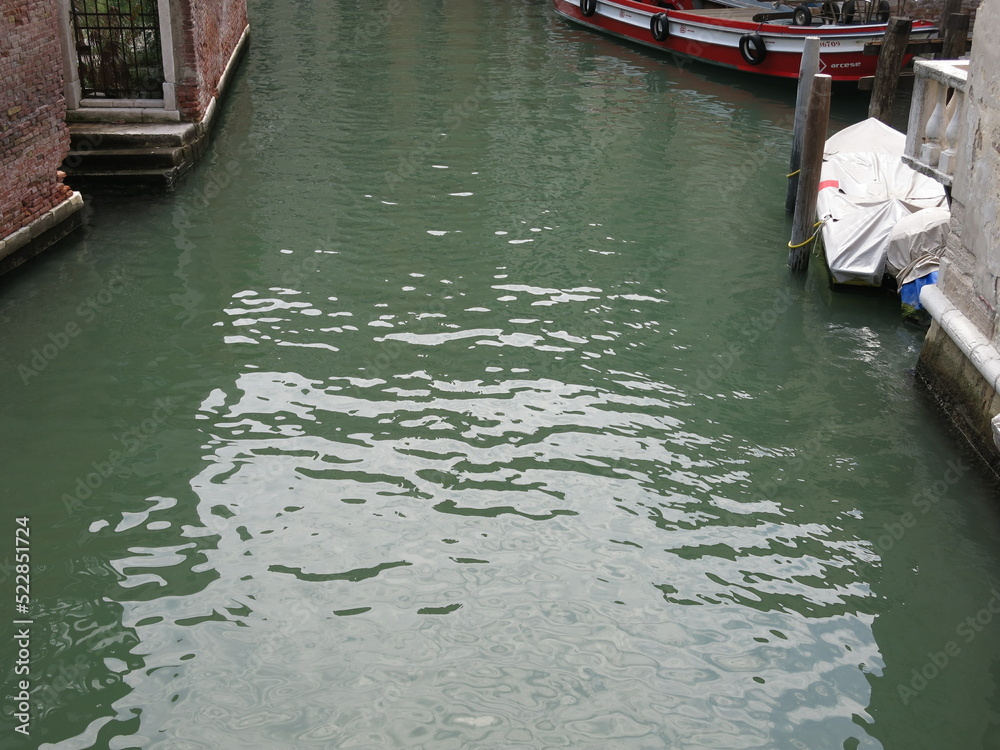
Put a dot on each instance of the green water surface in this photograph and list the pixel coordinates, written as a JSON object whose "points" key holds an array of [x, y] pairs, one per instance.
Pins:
{"points": [[461, 399]]}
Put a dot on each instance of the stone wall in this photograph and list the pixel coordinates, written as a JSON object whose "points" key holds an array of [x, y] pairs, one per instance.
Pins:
{"points": [[973, 256], [970, 274], [34, 138], [207, 32]]}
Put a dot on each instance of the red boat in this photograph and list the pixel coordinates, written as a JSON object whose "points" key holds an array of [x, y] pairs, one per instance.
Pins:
{"points": [[760, 39]]}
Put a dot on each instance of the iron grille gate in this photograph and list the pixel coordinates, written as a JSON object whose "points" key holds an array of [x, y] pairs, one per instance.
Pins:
{"points": [[118, 48]]}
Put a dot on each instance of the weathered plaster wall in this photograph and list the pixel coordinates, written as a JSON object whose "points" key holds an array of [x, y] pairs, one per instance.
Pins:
{"points": [[970, 275], [33, 134], [973, 266]]}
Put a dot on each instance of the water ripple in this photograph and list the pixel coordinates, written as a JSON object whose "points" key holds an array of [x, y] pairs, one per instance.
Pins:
{"points": [[471, 457], [467, 564]]}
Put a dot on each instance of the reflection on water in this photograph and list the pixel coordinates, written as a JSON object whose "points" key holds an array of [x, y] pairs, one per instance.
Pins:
{"points": [[596, 563], [461, 399]]}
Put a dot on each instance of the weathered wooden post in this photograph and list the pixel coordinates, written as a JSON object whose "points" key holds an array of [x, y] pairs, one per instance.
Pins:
{"points": [[817, 122], [807, 69], [956, 35], [951, 7], [890, 60]]}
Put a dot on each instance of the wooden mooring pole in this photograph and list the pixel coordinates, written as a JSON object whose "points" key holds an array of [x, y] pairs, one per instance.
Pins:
{"points": [[816, 123], [951, 7], [807, 69], [956, 35], [890, 60]]}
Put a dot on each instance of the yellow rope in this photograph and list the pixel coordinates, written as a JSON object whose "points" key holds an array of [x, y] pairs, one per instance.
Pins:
{"points": [[793, 173], [810, 239]]}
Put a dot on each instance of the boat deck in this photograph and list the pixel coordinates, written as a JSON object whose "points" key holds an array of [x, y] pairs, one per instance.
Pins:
{"points": [[729, 14]]}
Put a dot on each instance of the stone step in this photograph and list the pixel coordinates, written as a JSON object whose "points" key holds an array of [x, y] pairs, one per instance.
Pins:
{"points": [[129, 155], [125, 159], [124, 179], [92, 136]]}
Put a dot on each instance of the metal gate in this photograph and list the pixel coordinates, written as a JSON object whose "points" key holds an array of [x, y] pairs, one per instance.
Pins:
{"points": [[118, 48]]}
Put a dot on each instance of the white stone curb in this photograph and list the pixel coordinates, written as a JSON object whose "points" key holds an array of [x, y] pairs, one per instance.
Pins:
{"points": [[51, 218], [974, 345]]}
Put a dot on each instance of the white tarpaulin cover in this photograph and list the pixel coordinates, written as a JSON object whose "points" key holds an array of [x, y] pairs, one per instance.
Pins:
{"points": [[865, 188], [916, 244], [871, 135]]}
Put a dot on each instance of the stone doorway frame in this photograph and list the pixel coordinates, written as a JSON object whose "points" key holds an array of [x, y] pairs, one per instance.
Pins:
{"points": [[80, 109]]}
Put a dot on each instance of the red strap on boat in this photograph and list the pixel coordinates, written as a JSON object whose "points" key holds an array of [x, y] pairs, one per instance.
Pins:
{"points": [[829, 183]]}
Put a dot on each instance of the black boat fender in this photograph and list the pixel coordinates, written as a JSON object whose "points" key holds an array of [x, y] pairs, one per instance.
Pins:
{"points": [[588, 7], [659, 27], [752, 48], [847, 12]]}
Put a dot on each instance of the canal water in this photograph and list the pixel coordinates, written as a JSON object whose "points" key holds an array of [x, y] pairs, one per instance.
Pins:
{"points": [[461, 398]]}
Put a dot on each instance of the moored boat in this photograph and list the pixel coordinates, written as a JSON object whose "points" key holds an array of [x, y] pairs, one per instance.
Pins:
{"points": [[756, 39], [878, 216]]}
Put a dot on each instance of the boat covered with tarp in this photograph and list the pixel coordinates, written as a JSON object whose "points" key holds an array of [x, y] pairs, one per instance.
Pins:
{"points": [[878, 215]]}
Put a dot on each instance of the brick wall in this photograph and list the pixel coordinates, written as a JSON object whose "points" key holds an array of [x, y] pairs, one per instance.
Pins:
{"points": [[931, 10], [210, 31], [33, 134]]}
